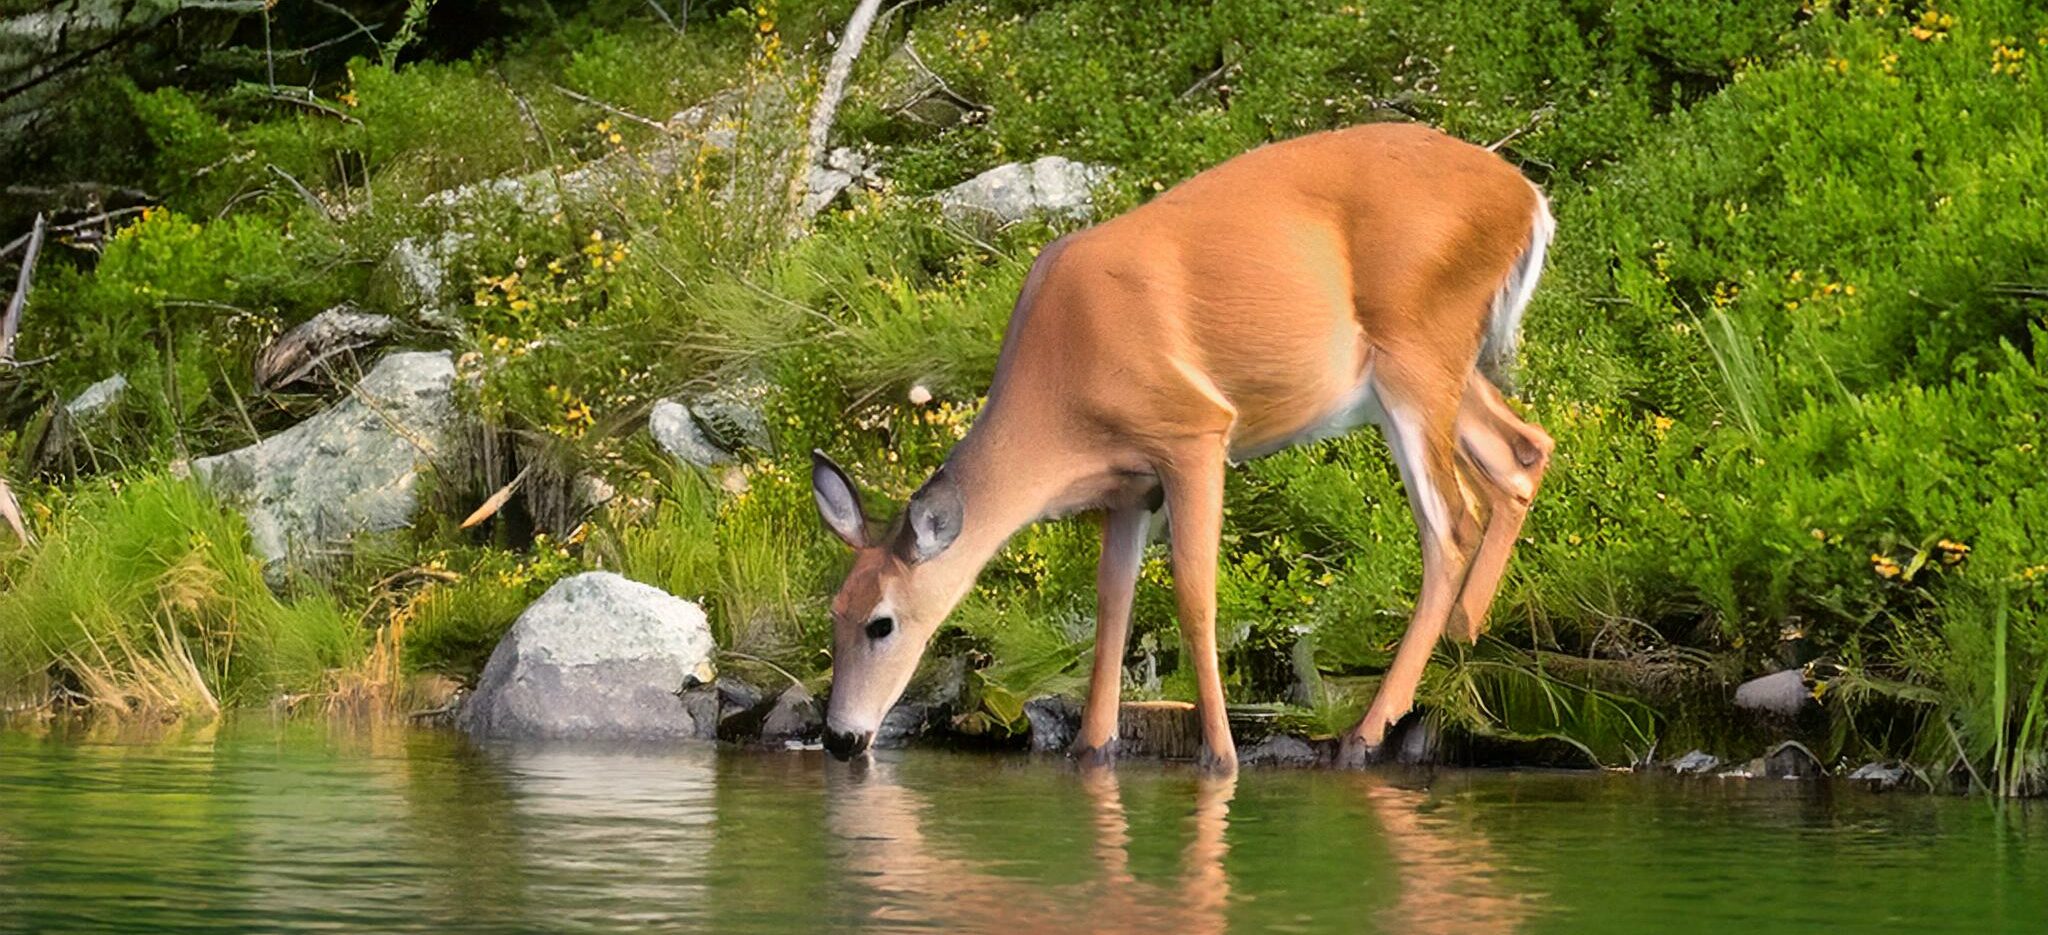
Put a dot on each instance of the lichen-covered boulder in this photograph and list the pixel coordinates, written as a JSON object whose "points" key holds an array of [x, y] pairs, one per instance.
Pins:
{"points": [[1007, 193], [353, 468], [598, 657]]}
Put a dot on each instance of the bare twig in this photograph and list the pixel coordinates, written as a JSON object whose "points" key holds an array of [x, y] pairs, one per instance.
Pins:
{"points": [[2020, 290], [1207, 80], [750, 657], [612, 109], [314, 106], [11, 321], [1535, 118]]}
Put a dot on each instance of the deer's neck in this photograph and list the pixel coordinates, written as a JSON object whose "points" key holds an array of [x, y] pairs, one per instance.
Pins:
{"points": [[1012, 468]]}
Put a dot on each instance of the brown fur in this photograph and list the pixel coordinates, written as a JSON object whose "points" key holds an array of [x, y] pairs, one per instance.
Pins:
{"points": [[1231, 315]]}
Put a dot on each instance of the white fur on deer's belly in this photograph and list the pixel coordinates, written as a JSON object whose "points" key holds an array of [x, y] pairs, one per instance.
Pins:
{"points": [[1357, 408]]}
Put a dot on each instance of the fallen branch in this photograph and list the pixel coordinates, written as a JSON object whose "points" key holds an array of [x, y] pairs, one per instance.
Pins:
{"points": [[827, 108], [11, 321], [612, 109]]}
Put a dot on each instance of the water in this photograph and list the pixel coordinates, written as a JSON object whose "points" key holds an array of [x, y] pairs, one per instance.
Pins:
{"points": [[307, 829]]}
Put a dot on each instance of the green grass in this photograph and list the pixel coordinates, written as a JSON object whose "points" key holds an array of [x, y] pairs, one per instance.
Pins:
{"points": [[143, 597]]}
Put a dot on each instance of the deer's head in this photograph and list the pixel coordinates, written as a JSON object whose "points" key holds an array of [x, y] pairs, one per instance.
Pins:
{"points": [[894, 598]]}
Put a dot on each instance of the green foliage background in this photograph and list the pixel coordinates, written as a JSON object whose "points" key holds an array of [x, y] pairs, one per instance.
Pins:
{"points": [[1789, 342]]}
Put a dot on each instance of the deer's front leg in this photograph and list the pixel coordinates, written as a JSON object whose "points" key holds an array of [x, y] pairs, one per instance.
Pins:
{"points": [[1194, 510], [1116, 582]]}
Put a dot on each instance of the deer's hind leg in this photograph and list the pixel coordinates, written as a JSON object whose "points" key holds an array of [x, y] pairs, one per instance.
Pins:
{"points": [[1505, 458]]}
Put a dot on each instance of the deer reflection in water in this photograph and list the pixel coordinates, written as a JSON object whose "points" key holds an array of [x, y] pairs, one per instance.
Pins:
{"points": [[1443, 875]]}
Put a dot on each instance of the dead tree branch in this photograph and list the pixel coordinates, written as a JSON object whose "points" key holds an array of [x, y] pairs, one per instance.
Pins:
{"points": [[829, 96], [11, 321], [612, 109]]}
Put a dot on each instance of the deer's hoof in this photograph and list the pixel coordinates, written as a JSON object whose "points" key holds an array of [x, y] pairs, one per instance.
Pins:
{"points": [[1217, 763], [1357, 753], [1096, 756]]}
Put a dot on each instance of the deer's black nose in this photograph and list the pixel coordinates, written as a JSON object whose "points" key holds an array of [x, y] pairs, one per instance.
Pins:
{"points": [[846, 746]]}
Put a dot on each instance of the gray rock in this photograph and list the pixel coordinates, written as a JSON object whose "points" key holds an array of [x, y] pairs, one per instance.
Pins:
{"points": [[677, 433], [842, 169], [96, 399], [351, 469], [1881, 775], [1781, 693], [712, 428], [1695, 763], [1008, 193], [1787, 760], [903, 723], [701, 703], [1279, 750], [597, 657], [294, 355], [1418, 740], [796, 716], [418, 276], [1054, 722]]}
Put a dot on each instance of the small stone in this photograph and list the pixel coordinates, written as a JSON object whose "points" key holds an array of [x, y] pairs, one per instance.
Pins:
{"points": [[903, 723], [1782, 693], [1791, 760], [1279, 750], [96, 399], [417, 276], [795, 716], [1881, 775], [1695, 763], [1054, 723]]}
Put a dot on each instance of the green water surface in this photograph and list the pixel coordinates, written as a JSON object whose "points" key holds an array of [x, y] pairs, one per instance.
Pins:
{"points": [[309, 828]]}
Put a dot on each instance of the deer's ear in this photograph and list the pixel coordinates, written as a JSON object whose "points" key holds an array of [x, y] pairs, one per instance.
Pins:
{"points": [[838, 501], [936, 513]]}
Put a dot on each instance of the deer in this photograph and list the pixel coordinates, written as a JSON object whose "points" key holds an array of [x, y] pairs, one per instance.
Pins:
{"points": [[1376, 274]]}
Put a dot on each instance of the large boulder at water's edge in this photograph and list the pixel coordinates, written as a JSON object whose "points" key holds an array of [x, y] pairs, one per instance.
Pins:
{"points": [[351, 469], [598, 657]]}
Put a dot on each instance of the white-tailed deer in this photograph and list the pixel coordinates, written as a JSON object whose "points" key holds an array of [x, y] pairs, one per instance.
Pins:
{"points": [[1375, 274]]}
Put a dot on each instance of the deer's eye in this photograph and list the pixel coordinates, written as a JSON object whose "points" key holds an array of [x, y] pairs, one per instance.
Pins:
{"points": [[881, 627]]}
